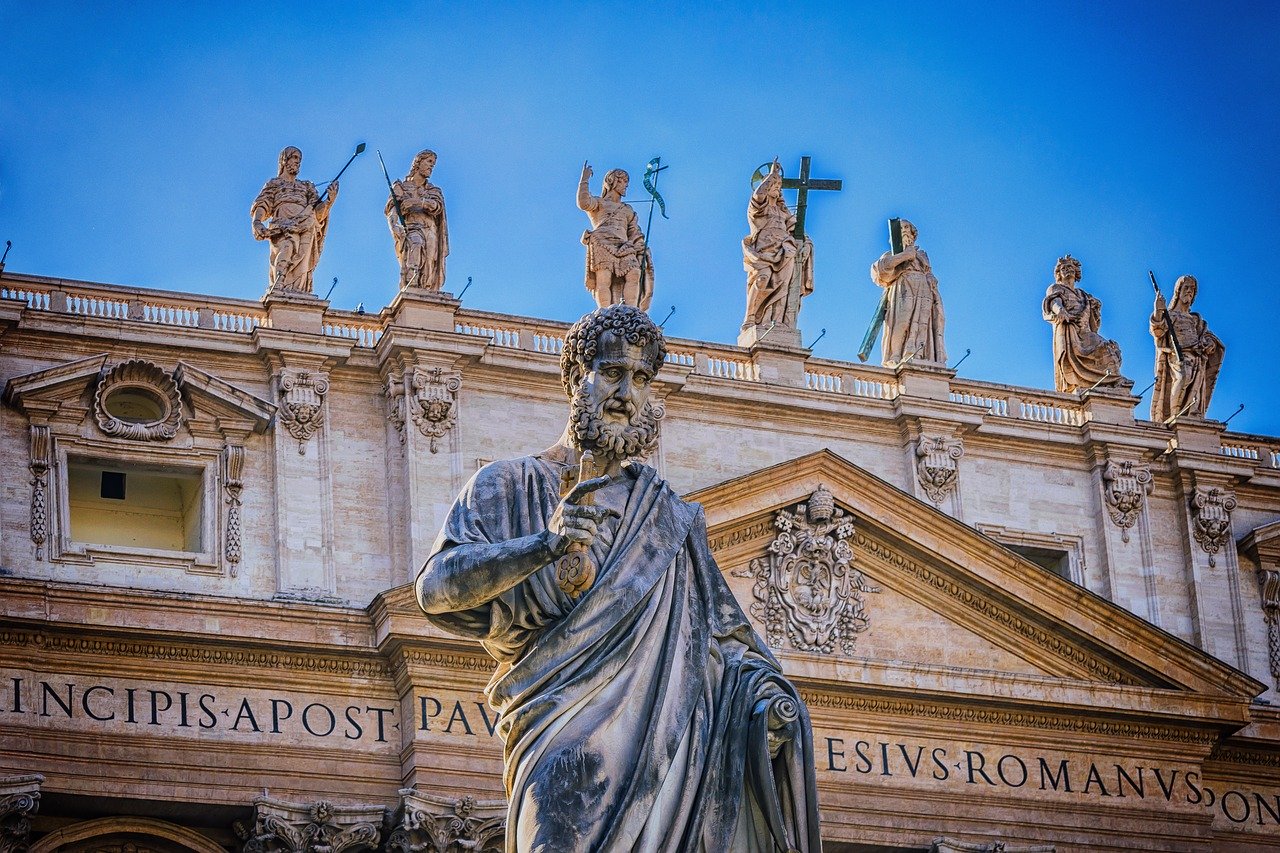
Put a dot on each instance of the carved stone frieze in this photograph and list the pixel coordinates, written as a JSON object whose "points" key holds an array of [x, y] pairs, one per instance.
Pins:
{"points": [[19, 800], [138, 400], [233, 485], [321, 827], [430, 824], [1125, 486], [1269, 587], [39, 465], [936, 467], [434, 404], [807, 589], [302, 402], [1211, 508]]}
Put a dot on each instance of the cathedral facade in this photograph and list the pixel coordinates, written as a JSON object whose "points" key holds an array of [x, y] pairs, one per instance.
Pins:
{"points": [[1021, 619]]}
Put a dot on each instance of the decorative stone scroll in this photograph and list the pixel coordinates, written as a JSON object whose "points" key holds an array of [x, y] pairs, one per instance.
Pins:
{"points": [[19, 800], [434, 403], [321, 827], [1269, 587], [393, 390], [1125, 486], [936, 465], [947, 845], [1211, 508], [302, 402], [39, 465], [233, 485], [139, 401], [430, 824], [807, 589]]}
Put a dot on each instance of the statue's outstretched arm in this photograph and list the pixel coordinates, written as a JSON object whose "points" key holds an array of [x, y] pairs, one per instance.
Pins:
{"points": [[465, 576]]}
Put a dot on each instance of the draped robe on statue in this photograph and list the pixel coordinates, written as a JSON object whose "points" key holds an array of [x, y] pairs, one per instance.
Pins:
{"points": [[633, 719]]}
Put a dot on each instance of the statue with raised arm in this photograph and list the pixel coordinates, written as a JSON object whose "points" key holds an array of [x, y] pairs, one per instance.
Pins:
{"points": [[1184, 386], [775, 262], [913, 323], [1082, 358], [637, 707], [294, 217], [415, 212], [615, 244]]}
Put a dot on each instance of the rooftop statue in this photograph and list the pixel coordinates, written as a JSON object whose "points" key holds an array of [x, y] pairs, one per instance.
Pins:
{"points": [[415, 212], [1186, 374], [615, 244], [774, 260], [1082, 359], [638, 708], [913, 323], [294, 217]]}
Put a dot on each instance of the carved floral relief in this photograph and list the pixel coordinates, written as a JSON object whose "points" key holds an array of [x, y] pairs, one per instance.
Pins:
{"points": [[1211, 508], [438, 825], [319, 828], [233, 485], [1125, 486], [936, 465], [1269, 587], [807, 590], [39, 465]]}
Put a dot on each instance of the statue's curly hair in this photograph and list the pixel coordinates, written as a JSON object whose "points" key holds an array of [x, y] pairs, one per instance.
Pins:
{"points": [[582, 342], [1070, 263]]}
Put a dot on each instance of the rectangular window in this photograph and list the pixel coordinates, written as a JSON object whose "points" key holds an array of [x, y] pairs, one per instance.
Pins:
{"points": [[1054, 560], [135, 506]]}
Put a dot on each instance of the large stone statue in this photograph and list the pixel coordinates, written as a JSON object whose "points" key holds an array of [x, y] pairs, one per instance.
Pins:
{"points": [[1082, 359], [771, 255], [422, 239], [638, 708], [913, 322], [1183, 387], [615, 244], [290, 214]]}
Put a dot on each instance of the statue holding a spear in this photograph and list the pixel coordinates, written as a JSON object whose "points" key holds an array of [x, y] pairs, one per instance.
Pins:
{"points": [[291, 214]]}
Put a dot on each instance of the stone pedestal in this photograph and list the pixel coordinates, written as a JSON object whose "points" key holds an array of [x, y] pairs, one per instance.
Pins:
{"points": [[1110, 405], [777, 364], [778, 335], [926, 380], [1197, 435], [422, 309], [295, 312]]}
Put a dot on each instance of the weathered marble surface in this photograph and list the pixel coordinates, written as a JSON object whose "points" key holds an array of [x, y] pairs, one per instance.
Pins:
{"points": [[643, 713], [1082, 358], [775, 262], [616, 247], [422, 239], [1183, 387], [914, 322], [294, 218]]}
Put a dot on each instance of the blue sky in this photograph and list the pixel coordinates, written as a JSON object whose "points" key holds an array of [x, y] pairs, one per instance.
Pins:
{"points": [[1134, 136]]}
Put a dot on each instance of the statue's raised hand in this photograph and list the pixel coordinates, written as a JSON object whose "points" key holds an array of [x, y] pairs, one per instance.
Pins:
{"points": [[586, 171], [574, 524]]}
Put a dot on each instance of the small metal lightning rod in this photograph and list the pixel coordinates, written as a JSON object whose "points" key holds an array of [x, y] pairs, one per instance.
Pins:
{"points": [[668, 317], [464, 290]]}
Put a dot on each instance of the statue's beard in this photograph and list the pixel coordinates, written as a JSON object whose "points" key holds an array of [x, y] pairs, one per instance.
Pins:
{"points": [[588, 429]]}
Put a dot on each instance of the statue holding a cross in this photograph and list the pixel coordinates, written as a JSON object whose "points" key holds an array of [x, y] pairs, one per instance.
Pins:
{"points": [[778, 256]]}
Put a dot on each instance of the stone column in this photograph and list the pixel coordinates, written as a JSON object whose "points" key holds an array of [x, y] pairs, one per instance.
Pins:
{"points": [[319, 827], [429, 822], [1213, 567]]}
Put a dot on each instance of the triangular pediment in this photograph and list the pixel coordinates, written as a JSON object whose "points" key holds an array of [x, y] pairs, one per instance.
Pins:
{"points": [[951, 607]]}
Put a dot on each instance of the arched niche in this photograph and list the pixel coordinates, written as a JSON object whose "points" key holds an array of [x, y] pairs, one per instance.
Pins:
{"points": [[125, 835]]}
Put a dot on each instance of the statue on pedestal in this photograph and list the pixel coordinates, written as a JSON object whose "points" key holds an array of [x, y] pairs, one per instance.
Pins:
{"points": [[415, 212], [1082, 358], [1186, 374], [615, 244], [913, 322], [294, 217], [774, 260], [637, 707]]}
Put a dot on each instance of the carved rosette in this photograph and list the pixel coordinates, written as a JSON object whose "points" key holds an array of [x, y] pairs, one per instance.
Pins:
{"points": [[233, 485], [936, 465], [1269, 587], [434, 405], [318, 828], [444, 825], [39, 465], [19, 800], [1125, 486], [807, 589], [150, 381], [302, 402], [1211, 508]]}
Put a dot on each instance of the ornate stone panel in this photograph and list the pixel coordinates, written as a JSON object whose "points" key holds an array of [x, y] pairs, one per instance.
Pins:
{"points": [[430, 824], [19, 800], [1125, 486], [1269, 587], [434, 403], [233, 485], [302, 402], [936, 465], [321, 827], [138, 400], [39, 464], [807, 590], [1211, 508]]}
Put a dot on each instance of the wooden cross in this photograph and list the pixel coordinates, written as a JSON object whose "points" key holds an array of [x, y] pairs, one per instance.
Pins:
{"points": [[802, 185]]}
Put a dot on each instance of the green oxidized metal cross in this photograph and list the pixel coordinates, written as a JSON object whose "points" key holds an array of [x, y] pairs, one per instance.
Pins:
{"points": [[802, 185]]}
